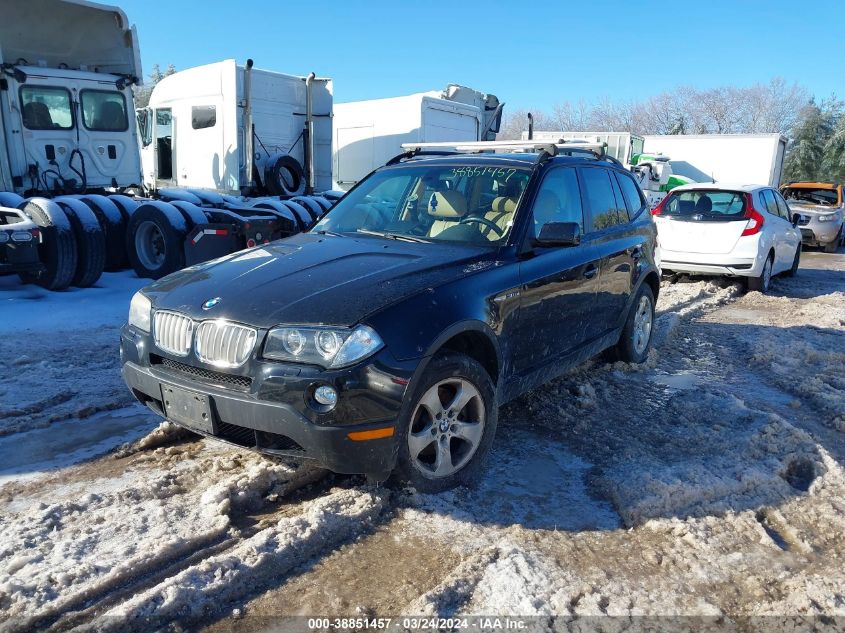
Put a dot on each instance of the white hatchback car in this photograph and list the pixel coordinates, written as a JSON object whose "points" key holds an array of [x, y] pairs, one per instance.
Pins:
{"points": [[717, 229]]}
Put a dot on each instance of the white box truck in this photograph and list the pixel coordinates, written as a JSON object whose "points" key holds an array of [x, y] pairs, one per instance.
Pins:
{"points": [[369, 133], [736, 158]]}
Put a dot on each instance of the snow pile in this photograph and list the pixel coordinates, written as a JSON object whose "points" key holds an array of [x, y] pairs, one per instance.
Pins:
{"points": [[678, 302], [55, 555], [62, 349], [269, 554]]}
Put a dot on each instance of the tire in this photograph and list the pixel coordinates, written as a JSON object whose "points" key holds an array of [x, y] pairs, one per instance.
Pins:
{"points": [[156, 240], [10, 200], [314, 208], [283, 175], [796, 261], [90, 242], [762, 283], [325, 203], [125, 205], [303, 215], [439, 381], [57, 250], [635, 341], [114, 230]]}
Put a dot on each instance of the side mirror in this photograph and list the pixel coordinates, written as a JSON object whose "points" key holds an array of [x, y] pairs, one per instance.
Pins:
{"points": [[796, 217], [559, 234]]}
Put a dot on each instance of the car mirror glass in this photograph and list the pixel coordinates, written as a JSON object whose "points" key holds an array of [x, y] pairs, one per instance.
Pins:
{"points": [[559, 234], [796, 217]]}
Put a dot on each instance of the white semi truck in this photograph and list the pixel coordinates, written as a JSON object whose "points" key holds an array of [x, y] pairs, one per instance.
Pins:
{"points": [[369, 133], [70, 157]]}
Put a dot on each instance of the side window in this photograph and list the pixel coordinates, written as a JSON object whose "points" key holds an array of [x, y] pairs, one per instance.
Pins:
{"points": [[633, 196], [46, 108], [203, 117], [621, 209], [600, 197], [558, 200], [783, 208], [768, 201]]}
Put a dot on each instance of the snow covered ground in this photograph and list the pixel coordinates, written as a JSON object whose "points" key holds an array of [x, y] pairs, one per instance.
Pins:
{"points": [[707, 482]]}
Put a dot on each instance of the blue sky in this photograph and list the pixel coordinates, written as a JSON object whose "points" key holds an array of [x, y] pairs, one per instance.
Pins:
{"points": [[530, 54]]}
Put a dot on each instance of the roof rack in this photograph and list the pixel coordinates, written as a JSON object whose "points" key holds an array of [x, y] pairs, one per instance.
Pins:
{"points": [[550, 147]]}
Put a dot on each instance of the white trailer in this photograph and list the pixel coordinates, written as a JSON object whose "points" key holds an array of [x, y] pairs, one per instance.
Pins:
{"points": [[194, 131], [66, 103], [369, 133], [744, 158]]}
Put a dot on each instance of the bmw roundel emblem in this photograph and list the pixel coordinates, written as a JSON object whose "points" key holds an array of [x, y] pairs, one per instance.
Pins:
{"points": [[210, 303]]}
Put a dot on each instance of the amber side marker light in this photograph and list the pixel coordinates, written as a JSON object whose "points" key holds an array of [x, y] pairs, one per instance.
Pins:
{"points": [[372, 434]]}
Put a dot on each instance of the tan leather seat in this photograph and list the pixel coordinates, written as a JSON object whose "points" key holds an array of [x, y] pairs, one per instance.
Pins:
{"points": [[447, 208]]}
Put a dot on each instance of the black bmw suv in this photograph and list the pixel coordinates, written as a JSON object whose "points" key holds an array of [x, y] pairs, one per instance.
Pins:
{"points": [[384, 339]]}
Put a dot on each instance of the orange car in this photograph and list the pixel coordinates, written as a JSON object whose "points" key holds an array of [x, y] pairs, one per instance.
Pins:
{"points": [[821, 207]]}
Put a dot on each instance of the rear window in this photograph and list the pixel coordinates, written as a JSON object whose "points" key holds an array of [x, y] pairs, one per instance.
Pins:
{"points": [[46, 108], [827, 197], [104, 111], [715, 205]]}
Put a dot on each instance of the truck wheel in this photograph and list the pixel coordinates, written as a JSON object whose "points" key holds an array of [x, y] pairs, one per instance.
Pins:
{"points": [[125, 205], [303, 215], [761, 283], [447, 430], [156, 240], [283, 175], [635, 340], [325, 203], [10, 200], [57, 250], [114, 229], [314, 208], [192, 213], [90, 242]]}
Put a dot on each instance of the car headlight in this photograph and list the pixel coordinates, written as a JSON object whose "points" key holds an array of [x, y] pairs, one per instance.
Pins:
{"points": [[139, 312], [323, 346], [828, 217]]}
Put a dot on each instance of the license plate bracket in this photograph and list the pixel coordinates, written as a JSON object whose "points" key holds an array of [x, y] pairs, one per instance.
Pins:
{"points": [[187, 408]]}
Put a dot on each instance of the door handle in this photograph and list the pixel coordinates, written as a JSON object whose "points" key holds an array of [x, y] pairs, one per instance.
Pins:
{"points": [[635, 252], [591, 271]]}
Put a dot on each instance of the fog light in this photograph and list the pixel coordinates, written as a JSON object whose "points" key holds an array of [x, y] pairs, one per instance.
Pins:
{"points": [[326, 396]]}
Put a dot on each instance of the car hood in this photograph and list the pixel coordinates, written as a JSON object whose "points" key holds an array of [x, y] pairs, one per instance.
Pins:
{"points": [[311, 279]]}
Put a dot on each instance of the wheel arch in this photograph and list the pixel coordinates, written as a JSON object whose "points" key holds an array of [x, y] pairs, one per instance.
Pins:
{"points": [[472, 338]]}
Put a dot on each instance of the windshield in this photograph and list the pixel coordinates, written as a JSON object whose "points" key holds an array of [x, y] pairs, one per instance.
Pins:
{"points": [[710, 205], [827, 197], [454, 203]]}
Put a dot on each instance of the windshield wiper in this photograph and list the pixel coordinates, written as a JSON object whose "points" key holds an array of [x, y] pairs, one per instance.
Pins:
{"points": [[394, 236], [332, 233]]}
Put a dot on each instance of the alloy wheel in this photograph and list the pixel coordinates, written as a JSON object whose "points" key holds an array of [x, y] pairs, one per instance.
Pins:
{"points": [[446, 428], [642, 325]]}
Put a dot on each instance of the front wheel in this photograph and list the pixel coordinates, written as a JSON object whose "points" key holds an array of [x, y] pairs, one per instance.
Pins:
{"points": [[447, 430], [635, 341]]}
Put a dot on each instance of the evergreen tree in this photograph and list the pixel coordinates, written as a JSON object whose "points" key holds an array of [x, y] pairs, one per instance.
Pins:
{"points": [[812, 132]]}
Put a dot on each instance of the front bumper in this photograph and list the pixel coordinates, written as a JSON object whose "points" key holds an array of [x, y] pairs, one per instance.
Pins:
{"points": [[817, 233], [268, 407]]}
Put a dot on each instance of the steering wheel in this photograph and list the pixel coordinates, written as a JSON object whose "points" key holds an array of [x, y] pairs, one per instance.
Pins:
{"points": [[488, 223]]}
